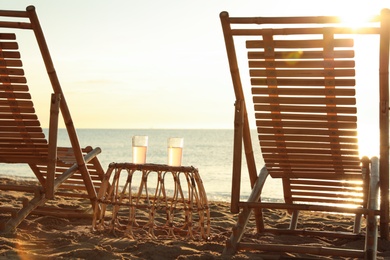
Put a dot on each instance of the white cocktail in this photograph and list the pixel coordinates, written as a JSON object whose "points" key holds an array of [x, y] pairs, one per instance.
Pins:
{"points": [[175, 155], [140, 147], [175, 151]]}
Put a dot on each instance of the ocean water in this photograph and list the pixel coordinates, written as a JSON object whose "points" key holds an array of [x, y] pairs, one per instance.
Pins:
{"points": [[211, 151]]}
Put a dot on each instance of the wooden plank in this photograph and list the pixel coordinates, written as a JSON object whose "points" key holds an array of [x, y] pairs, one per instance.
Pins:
{"points": [[314, 158], [312, 195], [16, 95], [9, 45], [327, 201], [11, 63], [25, 123], [23, 158], [340, 158], [294, 131], [302, 72], [306, 124], [309, 151], [7, 36], [13, 87], [305, 109], [314, 175], [309, 139], [304, 91], [10, 55], [20, 116], [16, 103], [338, 184], [318, 166], [306, 117], [311, 64], [8, 79], [302, 82], [304, 101], [18, 134], [307, 54], [284, 31], [275, 143], [13, 109], [300, 44], [338, 189], [21, 130]]}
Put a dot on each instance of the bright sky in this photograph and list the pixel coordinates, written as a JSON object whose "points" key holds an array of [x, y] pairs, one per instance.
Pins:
{"points": [[150, 64]]}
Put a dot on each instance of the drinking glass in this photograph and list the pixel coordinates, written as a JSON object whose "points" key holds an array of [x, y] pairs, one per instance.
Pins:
{"points": [[140, 146], [175, 151]]}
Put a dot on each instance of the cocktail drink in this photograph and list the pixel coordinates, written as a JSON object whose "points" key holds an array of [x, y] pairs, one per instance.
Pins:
{"points": [[140, 147], [175, 151]]}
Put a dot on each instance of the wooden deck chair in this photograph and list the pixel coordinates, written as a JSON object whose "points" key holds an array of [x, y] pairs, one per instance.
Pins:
{"points": [[22, 140], [302, 73]]}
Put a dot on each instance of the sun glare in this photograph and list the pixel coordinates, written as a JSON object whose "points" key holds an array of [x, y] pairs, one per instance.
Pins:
{"points": [[361, 12], [357, 19]]}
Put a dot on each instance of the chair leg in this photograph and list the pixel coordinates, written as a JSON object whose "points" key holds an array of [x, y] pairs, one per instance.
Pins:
{"points": [[294, 220], [372, 219], [243, 217], [358, 224]]}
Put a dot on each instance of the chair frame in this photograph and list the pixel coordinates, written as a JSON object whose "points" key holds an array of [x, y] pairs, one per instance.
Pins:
{"points": [[379, 169], [51, 183]]}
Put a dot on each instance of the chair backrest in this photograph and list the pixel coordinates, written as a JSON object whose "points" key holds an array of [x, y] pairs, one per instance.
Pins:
{"points": [[21, 136], [304, 104], [302, 74], [28, 140], [303, 95]]}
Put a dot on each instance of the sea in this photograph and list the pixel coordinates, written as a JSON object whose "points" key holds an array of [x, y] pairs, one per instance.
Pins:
{"points": [[208, 150]]}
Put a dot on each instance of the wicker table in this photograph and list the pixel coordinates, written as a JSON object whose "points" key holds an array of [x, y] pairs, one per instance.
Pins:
{"points": [[154, 199]]}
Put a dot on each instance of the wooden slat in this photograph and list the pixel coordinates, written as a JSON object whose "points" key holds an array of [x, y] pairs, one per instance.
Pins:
{"points": [[10, 55], [312, 64], [313, 175], [264, 130], [302, 82], [357, 197], [18, 129], [306, 117], [9, 45], [16, 95], [7, 36], [306, 124], [308, 151], [319, 132], [23, 134], [17, 109], [327, 200], [305, 109], [303, 72], [301, 31], [25, 123], [7, 79], [303, 100], [307, 54], [14, 87], [353, 191], [23, 158], [313, 157], [11, 63], [300, 44], [19, 116], [303, 91], [343, 184], [275, 143], [309, 170], [15, 103]]}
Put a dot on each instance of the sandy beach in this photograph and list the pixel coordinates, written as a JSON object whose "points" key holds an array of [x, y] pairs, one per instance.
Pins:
{"points": [[47, 237]]}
